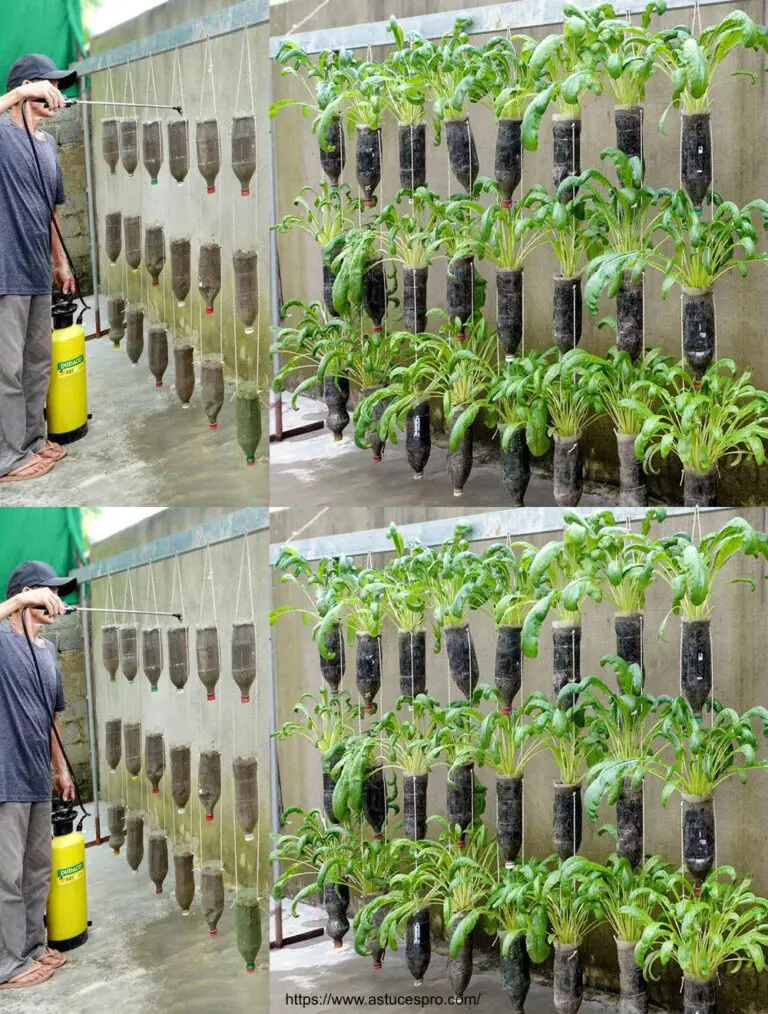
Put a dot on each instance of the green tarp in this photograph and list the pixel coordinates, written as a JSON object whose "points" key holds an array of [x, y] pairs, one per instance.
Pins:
{"points": [[52, 534], [52, 27]]}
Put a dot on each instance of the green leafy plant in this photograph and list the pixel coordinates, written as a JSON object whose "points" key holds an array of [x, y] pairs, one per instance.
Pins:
{"points": [[322, 81], [627, 51], [503, 239], [565, 222], [564, 733], [325, 216], [622, 891]]}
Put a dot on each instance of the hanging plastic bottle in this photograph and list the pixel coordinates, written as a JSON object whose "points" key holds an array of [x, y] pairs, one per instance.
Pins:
{"points": [[209, 274], [244, 151], [113, 742], [208, 155], [212, 389], [246, 774], [209, 781], [248, 923], [152, 649], [129, 145], [184, 871], [178, 149], [157, 859], [212, 895], [113, 224], [152, 148], [116, 825], [181, 270], [244, 658], [110, 143], [134, 332], [248, 419], [154, 758], [184, 368], [132, 241], [116, 318], [208, 666], [158, 352], [246, 266], [129, 652], [110, 652], [181, 775], [132, 744], [154, 252], [134, 840], [178, 657]]}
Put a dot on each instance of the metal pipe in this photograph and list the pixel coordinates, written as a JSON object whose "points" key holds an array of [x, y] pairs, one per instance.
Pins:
{"points": [[91, 209], [89, 707], [133, 105], [277, 397], [133, 612]]}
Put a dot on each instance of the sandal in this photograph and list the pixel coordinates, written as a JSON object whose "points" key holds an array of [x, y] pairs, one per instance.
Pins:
{"points": [[51, 958], [32, 977], [51, 451], [33, 469]]}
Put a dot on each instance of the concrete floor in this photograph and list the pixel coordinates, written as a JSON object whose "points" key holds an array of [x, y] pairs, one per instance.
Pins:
{"points": [[143, 957], [143, 449], [315, 469]]}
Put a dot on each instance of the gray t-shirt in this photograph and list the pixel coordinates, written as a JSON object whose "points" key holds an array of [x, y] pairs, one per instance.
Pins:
{"points": [[25, 215], [25, 719]]}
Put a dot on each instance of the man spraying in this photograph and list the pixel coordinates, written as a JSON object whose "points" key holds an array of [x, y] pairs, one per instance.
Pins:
{"points": [[28, 244], [30, 704]]}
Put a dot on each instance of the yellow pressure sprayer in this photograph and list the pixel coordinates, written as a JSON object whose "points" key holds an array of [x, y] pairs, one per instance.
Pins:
{"points": [[67, 406], [67, 913]]}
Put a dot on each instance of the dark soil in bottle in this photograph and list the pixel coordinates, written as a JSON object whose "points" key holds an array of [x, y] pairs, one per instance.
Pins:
{"points": [[152, 655], [181, 268], [412, 655], [515, 462], [462, 658], [629, 131], [509, 300], [368, 671], [375, 801], [328, 279], [368, 162], [246, 775], [415, 806], [132, 241], [332, 669], [184, 373], [134, 840], [157, 859], [336, 901], [181, 774], [110, 650], [116, 318], [129, 145], [212, 389], [632, 488], [110, 143], [209, 274], [334, 156], [568, 471], [566, 160], [568, 986], [696, 156], [509, 818], [629, 316], [377, 951], [699, 490], [515, 969], [178, 656], [184, 872], [567, 313], [412, 149], [158, 352], [154, 758], [699, 837], [244, 151], [460, 460], [459, 795], [328, 786], [460, 967], [152, 148], [209, 781], [132, 744], [629, 823], [566, 657], [377, 444], [178, 149], [699, 997], [415, 299], [696, 663], [244, 658], [248, 925], [462, 152], [116, 825], [460, 289], [629, 637], [113, 742], [633, 996], [508, 167], [336, 394], [134, 332], [418, 945], [154, 252], [508, 671], [113, 242], [375, 292], [418, 438], [208, 153], [212, 895], [566, 820], [248, 419], [246, 267], [698, 330], [208, 664], [129, 652]]}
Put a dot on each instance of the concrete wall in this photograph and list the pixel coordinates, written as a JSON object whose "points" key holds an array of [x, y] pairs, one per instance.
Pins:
{"points": [[67, 127], [67, 635], [210, 589], [738, 636], [740, 174]]}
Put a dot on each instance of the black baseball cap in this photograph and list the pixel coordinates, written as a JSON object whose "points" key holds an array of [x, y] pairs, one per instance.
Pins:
{"points": [[36, 574], [37, 67]]}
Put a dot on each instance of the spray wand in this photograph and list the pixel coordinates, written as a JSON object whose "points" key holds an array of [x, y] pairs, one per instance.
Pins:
{"points": [[133, 612], [97, 102]]}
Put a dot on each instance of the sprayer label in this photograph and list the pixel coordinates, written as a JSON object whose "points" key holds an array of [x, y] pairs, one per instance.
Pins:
{"points": [[69, 873], [68, 367]]}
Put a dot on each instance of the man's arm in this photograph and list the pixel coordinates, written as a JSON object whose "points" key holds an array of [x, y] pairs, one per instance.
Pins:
{"points": [[62, 273], [64, 784], [36, 91], [34, 598]]}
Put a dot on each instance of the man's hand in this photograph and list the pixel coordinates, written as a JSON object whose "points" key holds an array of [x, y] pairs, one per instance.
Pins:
{"points": [[65, 787], [65, 280], [39, 92], [38, 599]]}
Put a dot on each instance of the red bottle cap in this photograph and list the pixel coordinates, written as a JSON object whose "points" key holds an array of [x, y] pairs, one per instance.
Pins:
{"points": [[249, 968], [212, 426], [378, 329], [158, 890], [376, 966], [245, 193], [506, 204], [369, 204], [376, 459], [378, 837], [245, 700], [211, 190], [158, 383], [209, 311], [213, 933], [156, 283], [209, 817], [211, 697], [156, 789], [506, 711], [369, 709]]}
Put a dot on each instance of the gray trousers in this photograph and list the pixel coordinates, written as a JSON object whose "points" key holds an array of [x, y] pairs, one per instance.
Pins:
{"points": [[26, 859], [25, 368]]}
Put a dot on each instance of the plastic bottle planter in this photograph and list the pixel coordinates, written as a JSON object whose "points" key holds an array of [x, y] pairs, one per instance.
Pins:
{"points": [[515, 972], [699, 490], [373, 945], [629, 823], [508, 671], [184, 373], [696, 663], [116, 318], [209, 274], [459, 797], [418, 945], [633, 994], [178, 656], [113, 242], [629, 316], [209, 781], [113, 742], [154, 759], [509, 818], [566, 657], [248, 419], [462, 152], [328, 279], [460, 287], [208, 665], [412, 150], [332, 668], [152, 149], [460, 967], [508, 167], [336, 901], [696, 156], [328, 786], [134, 840], [415, 299], [336, 394], [375, 293], [181, 268], [129, 652], [509, 300], [246, 774], [699, 997], [568, 471], [212, 895], [110, 651], [412, 654], [158, 352], [566, 159], [248, 925], [132, 743], [134, 332], [462, 659], [246, 268], [333, 153], [181, 775], [116, 825], [132, 241], [154, 252], [244, 658], [460, 460], [110, 143], [415, 806], [698, 836], [377, 444], [698, 329], [515, 461], [629, 131], [568, 986], [375, 801], [368, 162], [567, 312], [368, 672], [184, 871], [208, 155], [629, 637], [212, 389], [152, 655], [632, 488], [418, 438], [244, 151], [129, 145], [157, 859], [566, 820], [178, 149]]}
